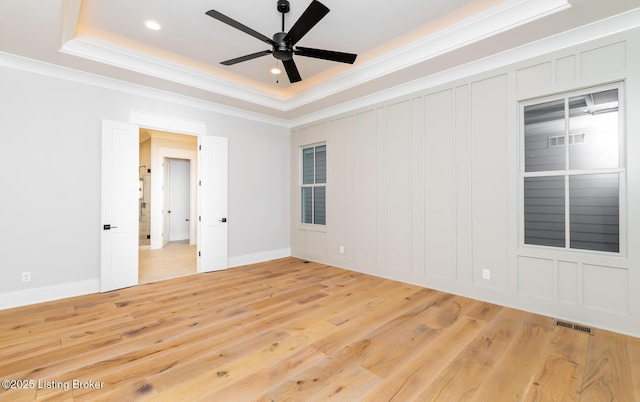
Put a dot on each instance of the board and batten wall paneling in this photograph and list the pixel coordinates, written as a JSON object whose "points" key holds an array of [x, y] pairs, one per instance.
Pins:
{"points": [[535, 277], [463, 184], [534, 77], [418, 185], [604, 61], [381, 189], [606, 288], [566, 70], [364, 207], [489, 132], [398, 187], [568, 282], [339, 186], [440, 184]]}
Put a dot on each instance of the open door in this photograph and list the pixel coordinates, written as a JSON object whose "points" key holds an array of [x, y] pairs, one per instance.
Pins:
{"points": [[212, 204], [166, 206], [119, 226]]}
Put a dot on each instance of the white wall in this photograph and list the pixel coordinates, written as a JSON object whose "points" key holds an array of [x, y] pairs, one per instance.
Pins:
{"points": [[424, 189], [50, 181]]}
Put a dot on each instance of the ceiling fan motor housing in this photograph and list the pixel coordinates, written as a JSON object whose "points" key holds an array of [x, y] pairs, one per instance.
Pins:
{"points": [[281, 50]]}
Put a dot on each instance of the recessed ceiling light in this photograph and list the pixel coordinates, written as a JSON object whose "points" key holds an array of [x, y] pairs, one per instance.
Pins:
{"points": [[153, 25]]}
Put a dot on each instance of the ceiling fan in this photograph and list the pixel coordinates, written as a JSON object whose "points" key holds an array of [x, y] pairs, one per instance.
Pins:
{"points": [[283, 43]]}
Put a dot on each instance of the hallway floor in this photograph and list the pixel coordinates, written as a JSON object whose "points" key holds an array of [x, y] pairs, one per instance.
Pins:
{"points": [[178, 258]]}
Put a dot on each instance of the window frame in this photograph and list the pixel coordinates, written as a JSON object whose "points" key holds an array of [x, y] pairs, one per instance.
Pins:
{"points": [[313, 185], [567, 173]]}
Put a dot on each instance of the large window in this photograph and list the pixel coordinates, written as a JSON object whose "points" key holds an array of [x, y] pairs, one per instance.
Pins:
{"points": [[314, 184], [573, 170]]}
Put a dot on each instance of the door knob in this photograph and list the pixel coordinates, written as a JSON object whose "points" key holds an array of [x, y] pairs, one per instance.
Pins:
{"points": [[108, 227]]}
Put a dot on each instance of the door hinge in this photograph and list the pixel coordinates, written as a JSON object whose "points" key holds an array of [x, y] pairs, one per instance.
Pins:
{"points": [[199, 147], [199, 219], [199, 254], [200, 182]]}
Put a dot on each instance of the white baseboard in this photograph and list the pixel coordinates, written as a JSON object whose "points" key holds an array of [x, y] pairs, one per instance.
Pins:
{"points": [[259, 257], [48, 293]]}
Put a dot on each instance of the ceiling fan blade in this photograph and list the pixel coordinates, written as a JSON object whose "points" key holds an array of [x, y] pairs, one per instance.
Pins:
{"points": [[245, 58], [223, 18], [311, 16], [326, 54], [292, 71]]}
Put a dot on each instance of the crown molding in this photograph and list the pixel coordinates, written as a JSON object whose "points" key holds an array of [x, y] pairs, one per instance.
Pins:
{"points": [[119, 56], [493, 21], [52, 70]]}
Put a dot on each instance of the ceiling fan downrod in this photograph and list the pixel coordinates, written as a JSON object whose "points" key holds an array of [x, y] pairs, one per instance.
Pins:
{"points": [[283, 7]]}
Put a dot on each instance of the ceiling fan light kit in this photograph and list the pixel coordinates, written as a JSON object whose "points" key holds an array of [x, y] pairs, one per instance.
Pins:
{"points": [[283, 43]]}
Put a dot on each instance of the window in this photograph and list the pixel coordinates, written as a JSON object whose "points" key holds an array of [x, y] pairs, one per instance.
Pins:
{"points": [[572, 192], [314, 184]]}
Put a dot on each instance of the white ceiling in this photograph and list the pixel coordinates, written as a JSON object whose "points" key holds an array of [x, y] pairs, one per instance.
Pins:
{"points": [[397, 42]]}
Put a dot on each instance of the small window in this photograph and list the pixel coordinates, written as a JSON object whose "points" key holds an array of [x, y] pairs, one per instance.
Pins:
{"points": [[314, 185], [572, 193]]}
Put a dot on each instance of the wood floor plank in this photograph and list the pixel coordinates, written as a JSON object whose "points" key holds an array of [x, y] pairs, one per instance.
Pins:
{"points": [[365, 319], [561, 372], [634, 361], [457, 382], [515, 369], [290, 330], [412, 378], [354, 385], [607, 369], [222, 377], [314, 379], [569, 345], [462, 378], [250, 387], [557, 380]]}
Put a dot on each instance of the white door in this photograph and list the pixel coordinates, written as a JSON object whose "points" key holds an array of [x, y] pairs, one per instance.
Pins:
{"points": [[179, 199], [166, 202], [119, 240], [212, 204]]}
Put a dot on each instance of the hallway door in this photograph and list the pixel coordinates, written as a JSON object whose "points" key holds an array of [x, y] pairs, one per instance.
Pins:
{"points": [[212, 213], [179, 199], [119, 226]]}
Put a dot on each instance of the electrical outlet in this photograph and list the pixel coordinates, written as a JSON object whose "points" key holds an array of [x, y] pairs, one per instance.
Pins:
{"points": [[486, 274], [341, 249], [26, 277]]}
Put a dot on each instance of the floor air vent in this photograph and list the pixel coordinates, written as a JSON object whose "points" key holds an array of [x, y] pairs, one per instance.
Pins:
{"points": [[576, 327]]}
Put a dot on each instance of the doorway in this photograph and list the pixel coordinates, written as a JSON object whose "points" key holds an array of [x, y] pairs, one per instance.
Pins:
{"points": [[120, 188], [168, 246]]}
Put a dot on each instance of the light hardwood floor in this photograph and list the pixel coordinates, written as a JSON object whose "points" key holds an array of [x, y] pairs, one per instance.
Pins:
{"points": [[178, 258], [286, 330]]}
